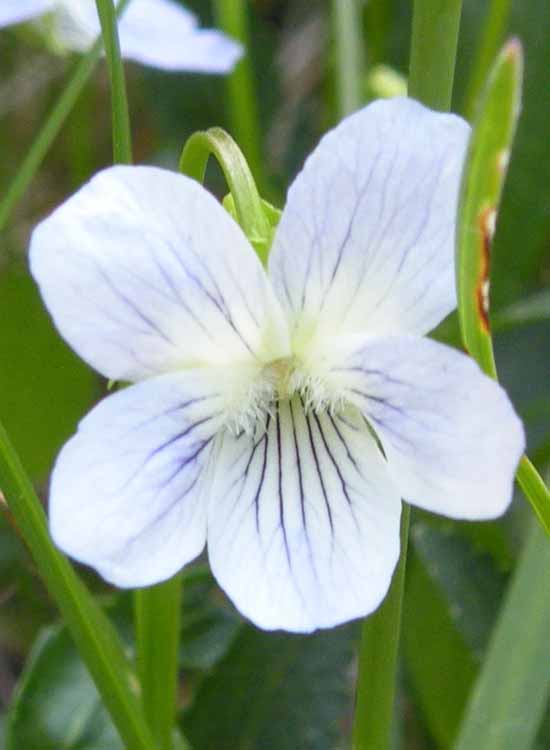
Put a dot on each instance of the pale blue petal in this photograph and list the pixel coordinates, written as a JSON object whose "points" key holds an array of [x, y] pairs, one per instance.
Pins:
{"points": [[158, 33], [451, 436], [127, 491], [303, 525], [16, 11], [366, 240], [144, 272]]}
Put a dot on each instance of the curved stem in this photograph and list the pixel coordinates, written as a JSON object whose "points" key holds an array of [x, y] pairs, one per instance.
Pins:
{"points": [[249, 207]]}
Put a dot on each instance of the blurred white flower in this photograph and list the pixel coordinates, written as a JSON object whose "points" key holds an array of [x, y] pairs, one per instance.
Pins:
{"points": [[280, 417], [158, 33]]}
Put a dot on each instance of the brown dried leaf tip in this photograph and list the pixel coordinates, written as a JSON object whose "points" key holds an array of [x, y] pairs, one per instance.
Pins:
{"points": [[487, 224]]}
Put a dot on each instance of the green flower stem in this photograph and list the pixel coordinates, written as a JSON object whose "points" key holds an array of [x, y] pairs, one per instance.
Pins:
{"points": [[346, 21], [122, 144], [492, 37], [244, 120], [97, 642], [435, 27], [248, 204], [378, 661], [158, 619], [54, 122], [433, 51]]}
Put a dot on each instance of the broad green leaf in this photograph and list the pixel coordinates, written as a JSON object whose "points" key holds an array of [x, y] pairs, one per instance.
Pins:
{"points": [[451, 601], [276, 691], [57, 705], [511, 693], [209, 627], [44, 388]]}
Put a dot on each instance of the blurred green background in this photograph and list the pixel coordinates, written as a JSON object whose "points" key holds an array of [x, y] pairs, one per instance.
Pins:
{"points": [[265, 691]]}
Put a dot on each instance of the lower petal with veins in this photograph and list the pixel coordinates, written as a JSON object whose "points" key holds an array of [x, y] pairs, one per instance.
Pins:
{"points": [[303, 523]]}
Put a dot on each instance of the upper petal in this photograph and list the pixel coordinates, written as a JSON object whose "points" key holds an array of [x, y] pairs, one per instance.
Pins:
{"points": [[127, 491], [16, 11], [143, 271], [366, 240], [303, 524], [158, 33], [451, 436]]}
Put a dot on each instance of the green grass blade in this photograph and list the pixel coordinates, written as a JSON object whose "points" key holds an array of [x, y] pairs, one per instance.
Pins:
{"points": [[510, 696], [348, 39], [158, 619], [433, 51], [492, 37], [482, 183], [122, 141], [50, 130]]}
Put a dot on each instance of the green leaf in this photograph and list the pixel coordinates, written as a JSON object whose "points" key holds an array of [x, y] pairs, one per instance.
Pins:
{"points": [[276, 692], [451, 602], [510, 695], [56, 704], [209, 626], [483, 178]]}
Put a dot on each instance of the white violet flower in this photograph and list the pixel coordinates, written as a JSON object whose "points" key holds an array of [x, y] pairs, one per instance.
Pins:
{"points": [[158, 33], [281, 416]]}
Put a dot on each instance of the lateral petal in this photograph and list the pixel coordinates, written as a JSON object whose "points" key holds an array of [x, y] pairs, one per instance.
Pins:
{"points": [[144, 272], [303, 527], [366, 240], [128, 490], [451, 436]]}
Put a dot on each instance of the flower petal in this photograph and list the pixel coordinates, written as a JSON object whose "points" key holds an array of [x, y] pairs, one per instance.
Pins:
{"points": [[16, 11], [158, 33], [161, 34], [451, 436], [143, 271], [127, 491], [366, 240], [303, 528]]}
